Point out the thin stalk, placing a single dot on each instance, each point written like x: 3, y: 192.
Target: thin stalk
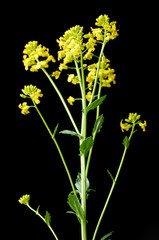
x: 62, y: 100
x: 112, y: 187
x: 83, y: 134
x: 37, y: 213
x: 94, y: 135
x: 58, y: 148
x: 109, y: 195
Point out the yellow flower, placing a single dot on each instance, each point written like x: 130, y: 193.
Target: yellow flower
x: 109, y: 27
x: 56, y: 74
x: 143, y: 125
x: 132, y: 120
x: 73, y: 79
x: 70, y: 45
x: 32, y: 53
x: 88, y: 96
x: 24, y: 108
x: 124, y: 126
x: 24, y: 199
x: 71, y: 100
x: 32, y: 92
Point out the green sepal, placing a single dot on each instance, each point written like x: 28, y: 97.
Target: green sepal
x: 75, y: 205
x: 98, y: 124
x: 126, y: 142
x: 72, y: 133
x: 95, y: 104
x: 86, y: 145
x: 48, y: 218
x: 106, y: 236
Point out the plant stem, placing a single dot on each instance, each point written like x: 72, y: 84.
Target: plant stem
x: 58, y: 148
x: 62, y: 100
x: 94, y: 135
x: 83, y: 134
x: 113, y: 185
x: 109, y: 195
x: 37, y: 213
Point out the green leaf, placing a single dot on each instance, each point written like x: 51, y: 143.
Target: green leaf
x: 37, y: 210
x: 111, y: 176
x: 76, y: 206
x: 78, y: 185
x: 55, y: 130
x: 98, y: 124
x: 95, y: 104
x: 72, y: 133
x: 48, y: 218
x: 106, y: 236
x: 86, y: 145
x: 126, y: 142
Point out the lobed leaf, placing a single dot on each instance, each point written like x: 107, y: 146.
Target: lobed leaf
x: 76, y: 206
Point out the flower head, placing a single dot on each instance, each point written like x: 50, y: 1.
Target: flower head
x: 32, y: 92
x: 70, y: 44
x: 24, y: 199
x: 36, y: 56
x: 132, y: 120
x: 24, y: 108
x: 109, y: 28
x: 71, y: 100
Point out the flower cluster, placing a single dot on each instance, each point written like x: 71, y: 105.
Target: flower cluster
x: 24, y: 199
x: 36, y: 57
x: 106, y: 74
x: 70, y: 45
x: 133, y: 119
x: 31, y: 92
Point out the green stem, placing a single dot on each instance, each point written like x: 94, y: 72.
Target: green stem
x: 83, y: 134
x: 58, y: 148
x: 37, y: 213
x: 109, y: 195
x: 94, y: 135
x: 112, y: 187
x: 62, y: 100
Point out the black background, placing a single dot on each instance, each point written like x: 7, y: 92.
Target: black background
x: 38, y: 171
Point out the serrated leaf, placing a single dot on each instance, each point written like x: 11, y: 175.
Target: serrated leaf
x: 126, y: 142
x: 55, y: 130
x: 95, y: 104
x: 72, y: 133
x: 86, y: 145
x: 98, y: 124
x: 48, y: 218
x: 106, y: 236
x: 76, y: 206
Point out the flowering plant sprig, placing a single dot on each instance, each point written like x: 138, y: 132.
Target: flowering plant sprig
x: 76, y: 49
